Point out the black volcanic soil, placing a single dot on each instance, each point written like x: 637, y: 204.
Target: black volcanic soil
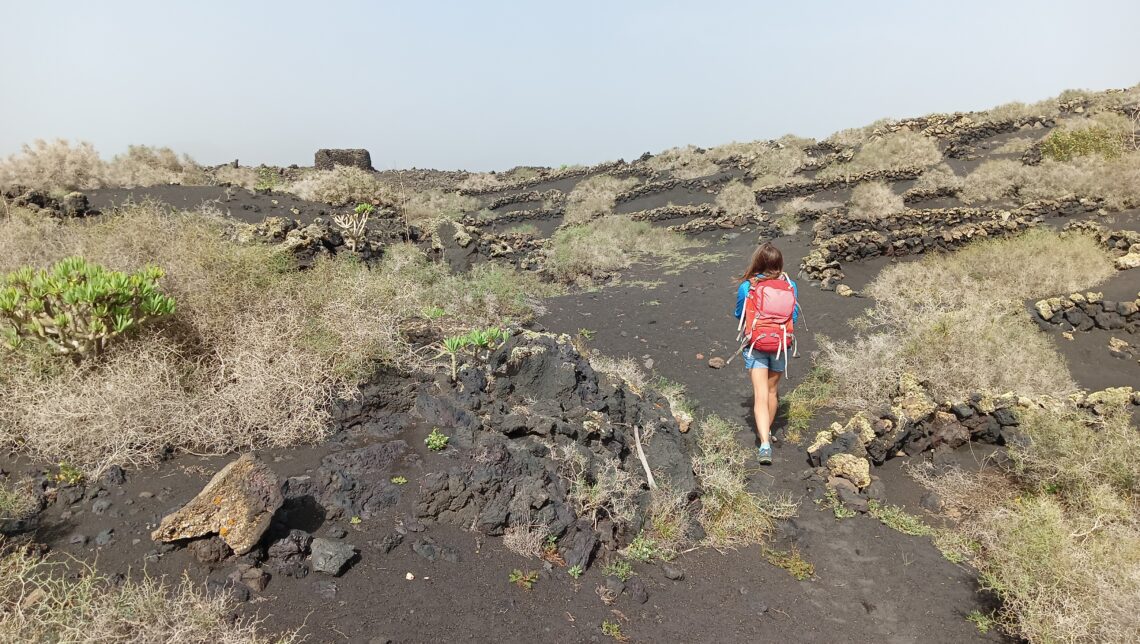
x: 871, y: 583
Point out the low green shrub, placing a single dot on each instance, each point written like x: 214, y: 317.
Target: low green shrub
x: 76, y: 307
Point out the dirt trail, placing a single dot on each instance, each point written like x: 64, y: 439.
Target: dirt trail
x: 871, y: 583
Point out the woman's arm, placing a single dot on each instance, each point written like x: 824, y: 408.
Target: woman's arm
x: 741, y: 295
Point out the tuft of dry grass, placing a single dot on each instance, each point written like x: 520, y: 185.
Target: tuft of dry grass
x: 141, y: 165
x: 1116, y: 180
x: 939, y: 177
x: 41, y: 602
x: 429, y: 208
x: 342, y: 186
x: 730, y: 514
x: 481, y: 181
x: 688, y: 162
x: 53, y: 166
x: 1017, y: 145
x: 874, y: 200
x: 60, y: 167
x: 1058, y: 537
x: 254, y: 354
x: 956, y: 320
x: 526, y: 540
x: 608, y: 245
x: 607, y: 492
x: 737, y: 198
x: 594, y: 197
x: 895, y: 151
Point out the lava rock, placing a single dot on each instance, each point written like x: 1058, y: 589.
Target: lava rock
x: 636, y: 590
x: 291, y: 548
x: 209, y: 550
x: 238, y: 503
x: 331, y: 557
x: 105, y: 537
x: 426, y: 549
x: 672, y: 572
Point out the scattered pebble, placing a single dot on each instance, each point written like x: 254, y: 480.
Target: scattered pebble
x: 673, y: 572
x: 78, y: 539
x: 105, y: 537
x: 336, y: 532
x: 100, y: 506
x: 717, y: 362
x: 409, y: 576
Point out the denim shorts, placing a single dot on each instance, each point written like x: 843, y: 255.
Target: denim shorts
x: 764, y: 360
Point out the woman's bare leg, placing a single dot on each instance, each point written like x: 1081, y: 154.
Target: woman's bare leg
x: 773, y: 402
x: 760, y: 403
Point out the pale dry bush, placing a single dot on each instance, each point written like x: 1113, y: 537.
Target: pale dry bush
x: 939, y: 177
x: 856, y: 136
x: 956, y: 321
x: 341, y: 186
x: 526, y: 540
x: 737, y: 198
x: 53, y: 166
x: 1016, y: 110
x: 1116, y: 181
x: 481, y: 181
x: 609, y: 244
x: 779, y: 161
x: 1058, y: 537
x: 902, y: 150
x: 41, y: 601
x: 594, y: 197
x: 253, y: 355
x: 769, y: 180
x: 624, y: 369
x: 874, y: 200
x: 430, y: 207
x: 668, y: 523
x: 799, y: 205
x: 993, y: 180
x: 607, y: 492
x: 1017, y: 145
x: 731, y: 515
x: 142, y: 166
x: 241, y: 176
x: 688, y: 162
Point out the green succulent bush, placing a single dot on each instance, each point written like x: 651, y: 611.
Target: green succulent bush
x: 76, y: 308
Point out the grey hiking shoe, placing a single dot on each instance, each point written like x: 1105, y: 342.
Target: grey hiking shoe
x: 765, y: 455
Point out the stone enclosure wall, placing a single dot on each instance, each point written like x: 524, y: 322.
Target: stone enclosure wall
x: 327, y: 159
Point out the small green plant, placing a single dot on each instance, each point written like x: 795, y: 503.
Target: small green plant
x: 575, y: 571
x: 18, y: 502
x: 476, y: 338
x: 982, y: 621
x: 898, y: 519
x: 642, y: 548
x: 831, y: 500
x: 436, y: 440
x: 267, y: 179
x: 613, y: 629
x: 1063, y: 145
x: 399, y: 480
x: 801, y: 405
x: 523, y: 579
x: 68, y: 474
x: 355, y: 520
x: 791, y: 561
x: 587, y: 334
x: 451, y: 347
x: 621, y: 569
x: 77, y: 308
x: 434, y: 312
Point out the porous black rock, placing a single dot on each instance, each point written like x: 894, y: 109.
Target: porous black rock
x: 331, y: 557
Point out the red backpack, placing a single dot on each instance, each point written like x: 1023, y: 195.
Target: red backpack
x: 766, y: 322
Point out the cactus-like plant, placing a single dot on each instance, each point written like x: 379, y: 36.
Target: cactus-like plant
x: 76, y: 308
x: 355, y: 224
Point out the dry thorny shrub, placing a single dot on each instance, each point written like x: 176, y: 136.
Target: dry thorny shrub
x: 1116, y: 180
x: 689, y: 162
x: 609, y: 244
x: 902, y: 150
x: 730, y: 513
x: 956, y: 321
x: 737, y: 198
x: 40, y: 601
x: 253, y: 355
x: 342, y: 186
x: 1057, y: 537
x: 594, y: 197
x: 59, y: 166
x: 874, y: 200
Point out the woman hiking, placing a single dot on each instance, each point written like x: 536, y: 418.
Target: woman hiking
x: 766, y: 306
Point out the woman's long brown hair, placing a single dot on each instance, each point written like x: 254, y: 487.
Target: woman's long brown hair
x: 767, y: 261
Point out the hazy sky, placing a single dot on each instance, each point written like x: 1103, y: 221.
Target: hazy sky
x: 486, y: 85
